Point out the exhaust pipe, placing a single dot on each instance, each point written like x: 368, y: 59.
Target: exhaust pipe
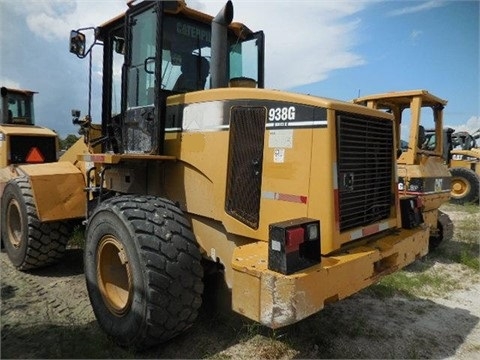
x: 219, y: 46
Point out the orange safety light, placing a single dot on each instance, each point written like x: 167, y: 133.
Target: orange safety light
x: 35, y: 156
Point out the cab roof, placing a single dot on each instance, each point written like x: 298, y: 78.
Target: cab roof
x: 180, y: 7
x: 5, y: 91
x: 402, y: 98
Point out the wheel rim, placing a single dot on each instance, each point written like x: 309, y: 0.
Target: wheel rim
x: 114, y: 275
x: 460, y: 187
x: 14, y: 223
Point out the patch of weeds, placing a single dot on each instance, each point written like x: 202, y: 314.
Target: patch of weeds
x: 219, y: 356
x: 471, y: 208
x: 467, y: 259
x: 250, y: 329
x: 270, y: 348
x: 411, y: 285
x: 399, y: 283
x: 316, y: 334
x: 465, y: 248
x: 77, y: 240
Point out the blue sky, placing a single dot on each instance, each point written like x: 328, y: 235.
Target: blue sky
x: 335, y: 49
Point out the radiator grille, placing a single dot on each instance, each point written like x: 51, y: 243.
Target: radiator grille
x: 244, y: 177
x: 364, y: 170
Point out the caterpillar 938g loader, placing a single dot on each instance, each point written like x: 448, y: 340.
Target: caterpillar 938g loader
x: 293, y: 197
x: 421, y: 169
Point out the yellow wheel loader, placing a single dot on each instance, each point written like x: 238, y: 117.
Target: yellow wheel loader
x: 29, y: 241
x: 462, y: 158
x: 421, y: 170
x: 293, y: 198
x: 464, y: 164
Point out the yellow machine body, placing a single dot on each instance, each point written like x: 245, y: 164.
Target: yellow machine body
x: 299, y: 179
x: 293, y: 198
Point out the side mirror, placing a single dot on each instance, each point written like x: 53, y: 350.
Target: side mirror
x: 77, y: 43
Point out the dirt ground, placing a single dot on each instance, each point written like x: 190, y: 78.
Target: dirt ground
x: 47, y: 314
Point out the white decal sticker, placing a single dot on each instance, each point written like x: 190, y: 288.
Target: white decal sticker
x: 203, y: 116
x: 279, y: 156
x: 276, y: 246
x: 280, y: 138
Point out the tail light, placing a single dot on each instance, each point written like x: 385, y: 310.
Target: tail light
x: 293, y: 245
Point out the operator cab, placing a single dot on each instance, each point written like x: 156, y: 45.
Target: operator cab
x: 16, y: 107
x: 417, y: 112
x: 159, y: 49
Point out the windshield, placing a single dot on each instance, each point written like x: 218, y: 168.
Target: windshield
x: 426, y: 136
x: 186, y: 56
x: 20, y: 109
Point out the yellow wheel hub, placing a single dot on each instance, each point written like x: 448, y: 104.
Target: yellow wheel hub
x: 114, y: 275
x: 14, y: 223
x: 460, y: 187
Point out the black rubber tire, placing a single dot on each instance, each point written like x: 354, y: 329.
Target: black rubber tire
x: 470, y: 183
x: 445, y: 231
x: 159, y: 262
x: 29, y: 243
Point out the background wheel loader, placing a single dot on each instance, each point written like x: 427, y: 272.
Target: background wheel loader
x: 464, y: 163
x: 23, y: 142
x: 29, y: 243
x: 421, y: 169
x: 462, y: 158
x: 292, y: 198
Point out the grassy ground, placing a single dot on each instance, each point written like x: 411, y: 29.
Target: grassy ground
x: 431, y: 309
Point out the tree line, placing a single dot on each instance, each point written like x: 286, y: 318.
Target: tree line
x: 68, y: 141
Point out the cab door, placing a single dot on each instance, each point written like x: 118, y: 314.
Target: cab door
x: 141, y: 121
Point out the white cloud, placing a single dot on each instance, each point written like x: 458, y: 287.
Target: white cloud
x: 9, y: 83
x: 471, y: 125
x: 422, y: 6
x: 53, y: 19
x: 415, y: 34
x: 305, y: 40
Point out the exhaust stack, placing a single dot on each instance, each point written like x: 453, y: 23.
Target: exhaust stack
x: 219, y: 46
